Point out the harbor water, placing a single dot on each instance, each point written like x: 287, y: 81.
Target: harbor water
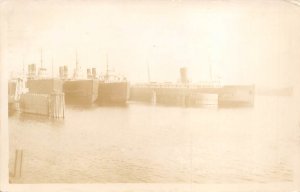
x: 141, y: 143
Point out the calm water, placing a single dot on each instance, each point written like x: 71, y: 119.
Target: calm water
x: 142, y: 143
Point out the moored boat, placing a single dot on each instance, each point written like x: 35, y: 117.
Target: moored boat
x: 80, y: 92
x: 113, y: 92
x: 112, y: 89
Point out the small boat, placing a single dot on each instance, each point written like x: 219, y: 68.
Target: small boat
x: 16, y: 87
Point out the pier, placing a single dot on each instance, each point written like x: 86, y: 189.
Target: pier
x: 51, y: 105
x: 37, y: 96
x: 45, y: 97
x: 17, y: 173
x: 48, y: 96
x: 189, y: 95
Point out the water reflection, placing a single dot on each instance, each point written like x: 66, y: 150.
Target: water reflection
x: 158, y: 144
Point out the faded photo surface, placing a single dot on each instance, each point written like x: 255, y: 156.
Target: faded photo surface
x: 152, y: 92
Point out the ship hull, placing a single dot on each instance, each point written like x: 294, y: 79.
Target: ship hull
x: 176, y: 96
x: 195, y: 96
x: 113, y: 93
x: 45, y: 86
x: 80, y: 92
x: 236, y: 96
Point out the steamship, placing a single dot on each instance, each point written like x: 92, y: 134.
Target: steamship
x: 184, y: 93
x: 78, y: 90
x: 105, y: 89
x: 112, y: 89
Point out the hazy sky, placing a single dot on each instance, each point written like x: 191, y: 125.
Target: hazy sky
x: 243, y: 41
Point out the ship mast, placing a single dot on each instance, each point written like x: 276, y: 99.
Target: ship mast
x: 23, y: 75
x: 52, y: 67
x: 76, y: 61
x: 210, y: 71
x: 41, y: 70
x: 106, y: 75
x: 41, y: 58
x: 148, y: 70
x: 76, y: 71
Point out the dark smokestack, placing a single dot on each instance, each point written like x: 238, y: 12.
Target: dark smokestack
x: 88, y: 73
x: 61, y: 72
x: 183, y: 75
x: 65, y: 71
x: 94, y: 72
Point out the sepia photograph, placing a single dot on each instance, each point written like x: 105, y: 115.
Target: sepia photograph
x: 167, y: 95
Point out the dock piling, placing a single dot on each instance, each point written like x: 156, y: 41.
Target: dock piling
x: 18, y: 163
x: 51, y: 105
x: 57, y: 105
x: 153, y: 98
